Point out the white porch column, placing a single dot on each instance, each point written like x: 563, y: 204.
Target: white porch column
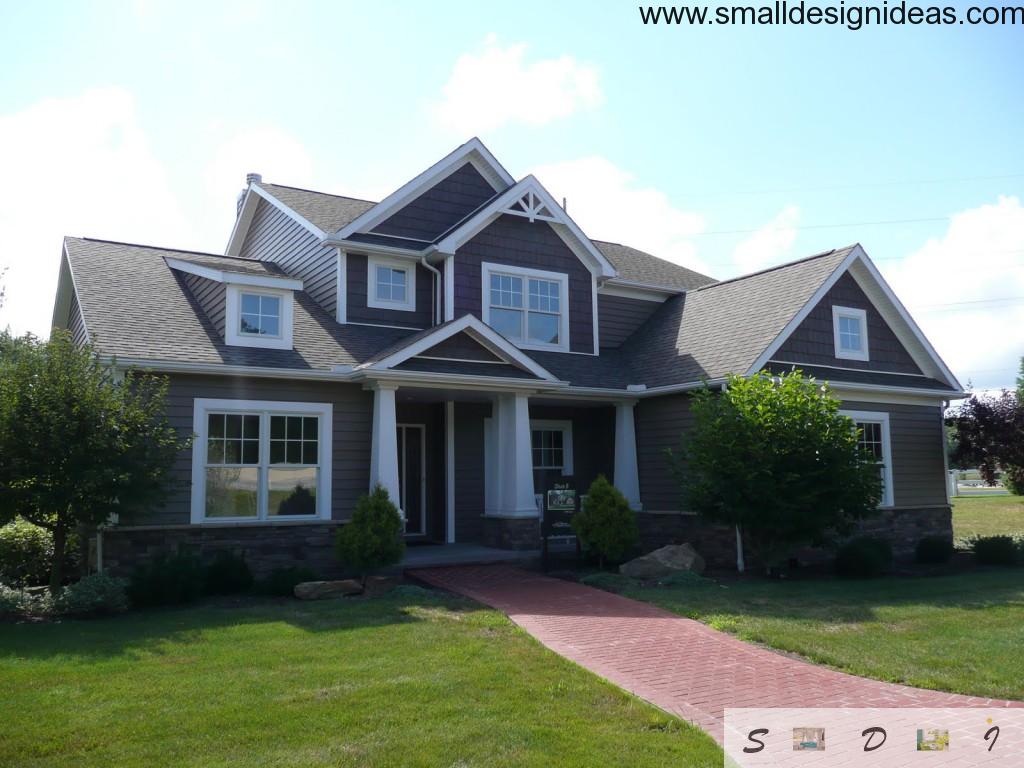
x: 627, y: 477
x: 384, y: 447
x: 515, y: 458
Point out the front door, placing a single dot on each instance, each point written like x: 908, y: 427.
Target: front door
x: 412, y: 477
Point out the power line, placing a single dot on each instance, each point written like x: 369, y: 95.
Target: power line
x: 860, y: 185
x: 975, y: 301
x: 824, y: 226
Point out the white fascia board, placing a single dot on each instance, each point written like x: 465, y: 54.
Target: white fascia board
x: 481, y: 332
x: 637, y: 291
x: 472, y: 151
x: 847, y: 387
x: 234, y: 278
x: 917, y: 337
x: 425, y: 379
x: 219, y: 369
x: 599, y: 265
x: 800, y: 316
x: 253, y: 195
x: 355, y: 246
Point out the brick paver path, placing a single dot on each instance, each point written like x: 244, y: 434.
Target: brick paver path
x: 680, y: 665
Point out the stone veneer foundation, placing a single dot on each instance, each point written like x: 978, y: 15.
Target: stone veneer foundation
x: 516, y: 533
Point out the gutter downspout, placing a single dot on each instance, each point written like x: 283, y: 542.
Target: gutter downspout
x: 437, y: 291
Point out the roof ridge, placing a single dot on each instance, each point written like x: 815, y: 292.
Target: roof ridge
x: 316, y: 192
x: 793, y: 263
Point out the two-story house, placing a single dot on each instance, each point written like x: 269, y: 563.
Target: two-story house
x: 466, y: 345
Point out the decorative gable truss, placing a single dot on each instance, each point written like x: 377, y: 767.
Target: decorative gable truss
x: 532, y: 207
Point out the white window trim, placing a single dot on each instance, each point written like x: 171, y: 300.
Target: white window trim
x: 488, y: 268
x: 233, y: 318
x: 202, y: 407
x: 861, y: 316
x: 556, y: 425
x: 409, y: 267
x: 880, y: 417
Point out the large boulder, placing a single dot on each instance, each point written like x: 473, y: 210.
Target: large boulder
x: 325, y: 590
x: 664, y: 562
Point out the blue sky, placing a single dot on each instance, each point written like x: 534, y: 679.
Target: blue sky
x: 138, y: 121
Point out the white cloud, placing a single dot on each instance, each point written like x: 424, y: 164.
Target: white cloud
x: 979, y: 259
x: 494, y: 85
x: 76, y: 166
x: 768, y: 245
x: 608, y: 204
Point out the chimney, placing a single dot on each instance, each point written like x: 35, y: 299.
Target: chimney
x: 249, y: 179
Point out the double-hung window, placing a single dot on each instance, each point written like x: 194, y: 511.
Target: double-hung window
x: 392, y: 284
x: 873, y: 438
x: 850, y: 333
x: 551, y: 444
x: 260, y: 460
x: 528, y: 307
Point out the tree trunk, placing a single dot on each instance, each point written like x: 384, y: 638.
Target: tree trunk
x: 740, y: 564
x: 60, y: 542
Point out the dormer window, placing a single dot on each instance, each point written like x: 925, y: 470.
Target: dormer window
x: 258, y: 316
x: 391, y: 284
x: 528, y: 307
x: 261, y: 315
x: 850, y: 331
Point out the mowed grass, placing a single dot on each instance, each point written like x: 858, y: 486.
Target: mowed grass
x: 962, y: 633
x: 988, y: 516
x: 407, y: 680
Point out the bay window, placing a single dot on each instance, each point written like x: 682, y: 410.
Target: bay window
x: 260, y: 460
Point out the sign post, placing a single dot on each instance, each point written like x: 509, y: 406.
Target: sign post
x: 559, y: 507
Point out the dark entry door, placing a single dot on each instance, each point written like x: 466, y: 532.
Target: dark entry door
x: 412, y: 476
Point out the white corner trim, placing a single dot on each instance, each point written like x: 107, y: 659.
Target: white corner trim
x: 483, y: 334
x: 861, y: 316
x: 233, y: 335
x: 594, y: 319
x: 589, y: 254
x: 238, y: 278
x: 557, y: 425
x: 203, y: 406
x: 449, y: 288
x: 472, y: 151
x: 488, y: 268
x: 341, y: 286
x: 880, y: 417
x: 408, y: 267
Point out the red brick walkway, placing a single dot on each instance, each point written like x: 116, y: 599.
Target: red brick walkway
x: 678, y: 664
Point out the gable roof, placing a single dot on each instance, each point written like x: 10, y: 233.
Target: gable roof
x: 327, y: 212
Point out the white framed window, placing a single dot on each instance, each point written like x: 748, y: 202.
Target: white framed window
x: 258, y: 317
x: 391, y: 284
x: 551, y: 445
x: 260, y: 461
x: 529, y: 307
x: 873, y: 436
x: 850, y: 332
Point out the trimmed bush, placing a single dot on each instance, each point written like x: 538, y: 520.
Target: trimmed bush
x: 373, y: 539
x: 26, y: 551
x: 995, y: 550
x: 95, y: 595
x: 167, y: 580
x: 228, y: 574
x: 1013, y: 480
x: 606, y: 525
x: 865, y: 557
x: 933, y: 550
x: 281, y: 581
x: 23, y: 602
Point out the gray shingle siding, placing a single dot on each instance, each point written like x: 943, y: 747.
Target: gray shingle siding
x: 593, y: 450
x: 440, y: 207
x: 660, y: 423
x: 813, y: 342
x: 357, y: 310
x: 353, y: 410
x: 517, y: 242
x: 618, y: 317
x: 211, y: 296
x: 276, y: 237
x: 469, y: 470
x: 460, y: 347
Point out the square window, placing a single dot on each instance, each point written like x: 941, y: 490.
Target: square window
x: 260, y: 315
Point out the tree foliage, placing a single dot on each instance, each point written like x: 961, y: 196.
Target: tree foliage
x: 773, y: 456
x: 606, y: 525
x: 989, y: 435
x: 76, y: 445
x: 373, y: 538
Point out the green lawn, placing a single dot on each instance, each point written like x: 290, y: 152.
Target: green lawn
x: 988, y: 516
x: 962, y: 633
x: 406, y: 680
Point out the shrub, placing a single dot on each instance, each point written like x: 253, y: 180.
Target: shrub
x: 228, y: 574
x: 932, y: 550
x: 995, y: 550
x: 26, y: 551
x: 22, y: 602
x: 1013, y: 480
x: 94, y: 595
x: 281, y: 581
x: 606, y: 525
x: 864, y: 558
x: 167, y: 581
x: 373, y: 539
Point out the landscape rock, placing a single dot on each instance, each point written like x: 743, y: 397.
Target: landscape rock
x: 325, y: 590
x: 663, y: 562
